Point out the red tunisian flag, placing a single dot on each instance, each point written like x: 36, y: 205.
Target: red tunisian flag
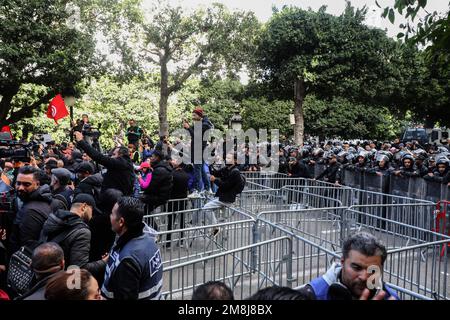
x: 57, y: 109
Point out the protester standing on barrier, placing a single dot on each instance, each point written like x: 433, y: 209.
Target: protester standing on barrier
x: 230, y: 183
x: 134, y: 270
x: 200, y: 119
x: 358, y: 275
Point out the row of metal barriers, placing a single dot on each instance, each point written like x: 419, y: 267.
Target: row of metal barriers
x: 289, y: 235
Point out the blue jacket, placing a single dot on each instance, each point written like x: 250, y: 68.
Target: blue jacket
x: 322, y: 284
x: 144, y: 258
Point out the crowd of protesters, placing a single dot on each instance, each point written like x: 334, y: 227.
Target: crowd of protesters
x: 73, y: 205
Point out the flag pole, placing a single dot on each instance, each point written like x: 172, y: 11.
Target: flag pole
x: 71, y: 122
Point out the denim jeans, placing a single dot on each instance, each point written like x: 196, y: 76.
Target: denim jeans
x: 199, y: 176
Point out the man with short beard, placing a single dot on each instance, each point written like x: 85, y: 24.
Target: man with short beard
x: 72, y: 227
x: 348, y: 280
x: 30, y: 217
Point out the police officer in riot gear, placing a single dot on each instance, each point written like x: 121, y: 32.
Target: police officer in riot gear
x: 383, y: 167
x: 407, y: 169
x: 332, y: 173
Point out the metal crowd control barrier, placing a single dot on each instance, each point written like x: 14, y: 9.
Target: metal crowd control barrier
x: 287, y: 198
x: 413, y: 266
x: 321, y: 226
x: 181, y: 245
x: 394, y: 234
x: 245, y: 270
x: 420, y: 269
x: 290, y: 235
x: 411, y: 187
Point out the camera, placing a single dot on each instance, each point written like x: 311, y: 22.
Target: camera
x: 90, y: 131
x: 18, y: 151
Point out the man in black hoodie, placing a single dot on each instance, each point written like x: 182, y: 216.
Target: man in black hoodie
x: 74, y: 235
x: 120, y: 174
x: 30, y: 217
x: 60, y: 184
x: 89, y: 182
x: 158, y: 192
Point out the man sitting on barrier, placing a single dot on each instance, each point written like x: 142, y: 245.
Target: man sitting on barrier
x: 358, y: 276
x: 230, y: 184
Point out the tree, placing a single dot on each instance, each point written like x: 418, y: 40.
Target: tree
x: 52, y: 45
x: 220, y: 99
x: 431, y: 85
x: 433, y: 30
x: 304, y: 52
x: 182, y: 45
x: 110, y: 104
x: 37, y: 46
x: 260, y: 113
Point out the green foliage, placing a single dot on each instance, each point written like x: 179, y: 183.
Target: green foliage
x: 52, y: 44
x: 341, y: 118
x: 263, y: 114
x: 335, y: 56
x: 220, y: 99
x: 111, y: 105
x: 433, y: 29
x: 182, y: 44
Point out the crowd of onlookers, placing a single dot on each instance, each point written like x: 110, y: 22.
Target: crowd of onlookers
x: 70, y: 205
x: 77, y: 213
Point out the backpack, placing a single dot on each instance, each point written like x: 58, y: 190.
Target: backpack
x: 20, y: 275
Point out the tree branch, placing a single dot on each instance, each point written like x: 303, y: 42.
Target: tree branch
x: 28, y: 110
x: 5, y: 103
x: 181, y: 79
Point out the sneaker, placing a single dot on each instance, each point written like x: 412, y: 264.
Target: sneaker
x: 194, y: 195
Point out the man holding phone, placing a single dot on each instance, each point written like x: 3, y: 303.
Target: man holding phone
x: 362, y: 261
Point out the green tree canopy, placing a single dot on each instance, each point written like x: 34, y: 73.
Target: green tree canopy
x: 304, y: 52
x: 181, y: 45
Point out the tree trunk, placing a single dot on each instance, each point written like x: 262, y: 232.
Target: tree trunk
x: 163, y: 99
x: 299, y: 97
x: 5, y: 102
